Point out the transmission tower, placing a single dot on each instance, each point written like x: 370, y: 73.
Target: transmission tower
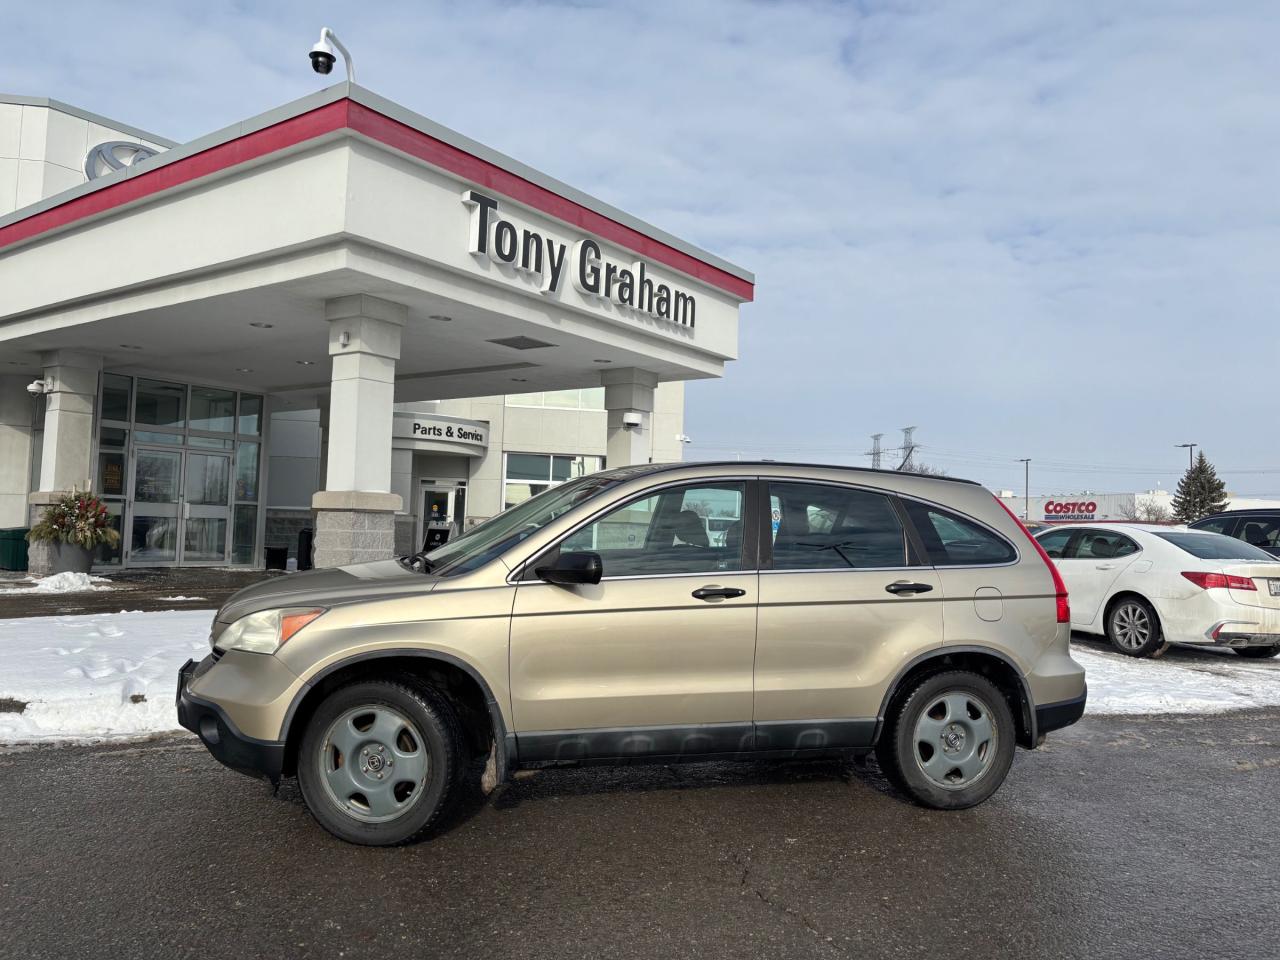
x: 908, y: 448
x: 875, y: 450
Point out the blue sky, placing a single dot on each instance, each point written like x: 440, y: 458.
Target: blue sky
x: 1042, y: 229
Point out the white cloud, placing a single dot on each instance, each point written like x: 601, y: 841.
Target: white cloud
x: 1040, y: 229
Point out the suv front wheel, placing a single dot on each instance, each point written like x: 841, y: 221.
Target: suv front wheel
x: 378, y: 761
x: 949, y: 743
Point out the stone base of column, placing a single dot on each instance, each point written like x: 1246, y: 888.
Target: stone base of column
x: 40, y: 554
x: 406, y: 531
x: 354, y: 526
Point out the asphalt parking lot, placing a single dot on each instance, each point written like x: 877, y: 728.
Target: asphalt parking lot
x: 1124, y: 837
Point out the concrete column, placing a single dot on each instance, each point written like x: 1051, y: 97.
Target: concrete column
x: 355, y: 512
x: 628, y: 401
x: 16, y: 409
x: 66, y: 457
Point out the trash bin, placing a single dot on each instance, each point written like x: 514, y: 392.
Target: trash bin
x: 305, y: 536
x: 276, y: 557
x: 13, y: 548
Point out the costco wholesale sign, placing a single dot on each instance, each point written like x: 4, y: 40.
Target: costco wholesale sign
x: 627, y: 285
x: 1071, y: 510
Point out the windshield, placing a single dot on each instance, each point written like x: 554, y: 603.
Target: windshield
x: 495, y: 536
x: 1214, y: 546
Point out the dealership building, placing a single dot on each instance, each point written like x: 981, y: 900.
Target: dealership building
x: 336, y: 314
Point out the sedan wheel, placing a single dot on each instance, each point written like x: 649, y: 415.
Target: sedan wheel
x: 1133, y: 628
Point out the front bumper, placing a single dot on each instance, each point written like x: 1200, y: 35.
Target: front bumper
x: 1055, y: 716
x: 230, y: 747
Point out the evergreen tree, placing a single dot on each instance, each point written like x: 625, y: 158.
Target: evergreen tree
x: 1200, y: 492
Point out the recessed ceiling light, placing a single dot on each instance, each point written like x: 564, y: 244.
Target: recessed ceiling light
x: 602, y: 361
x: 244, y: 369
x: 262, y: 326
x: 441, y: 317
x: 129, y: 346
x: 305, y: 363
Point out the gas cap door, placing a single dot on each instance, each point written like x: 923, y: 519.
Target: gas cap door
x: 988, y: 603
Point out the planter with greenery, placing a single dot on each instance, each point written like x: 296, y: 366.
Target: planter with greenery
x: 71, y: 530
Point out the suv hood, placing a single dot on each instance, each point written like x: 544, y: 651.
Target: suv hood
x: 324, y: 588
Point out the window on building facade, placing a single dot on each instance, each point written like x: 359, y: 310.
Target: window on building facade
x: 528, y: 474
x: 586, y: 398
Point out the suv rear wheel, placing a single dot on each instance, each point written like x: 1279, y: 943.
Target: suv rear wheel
x: 949, y: 743
x: 378, y: 761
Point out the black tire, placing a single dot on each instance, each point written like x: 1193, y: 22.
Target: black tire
x: 430, y: 726
x: 1258, y: 653
x: 1133, y: 627
x: 903, y: 756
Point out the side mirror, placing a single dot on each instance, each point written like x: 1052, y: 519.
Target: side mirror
x: 570, y: 568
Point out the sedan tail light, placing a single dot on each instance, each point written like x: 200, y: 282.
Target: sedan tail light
x: 1226, y: 581
x: 1059, y: 588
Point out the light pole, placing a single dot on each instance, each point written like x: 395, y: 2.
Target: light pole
x: 1026, y: 488
x: 1191, y: 452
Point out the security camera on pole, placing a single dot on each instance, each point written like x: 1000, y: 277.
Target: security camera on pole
x: 323, y: 59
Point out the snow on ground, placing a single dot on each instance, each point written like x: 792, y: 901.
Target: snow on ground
x: 60, y: 583
x: 96, y: 675
x: 1184, y: 680
x: 113, y: 675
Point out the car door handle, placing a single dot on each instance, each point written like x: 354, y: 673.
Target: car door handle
x: 905, y: 587
x: 1105, y: 566
x: 718, y: 593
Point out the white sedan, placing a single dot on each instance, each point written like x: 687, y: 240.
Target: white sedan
x: 1146, y: 586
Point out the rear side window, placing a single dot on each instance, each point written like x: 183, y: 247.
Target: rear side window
x: 1215, y: 525
x: 817, y: 527
x: 952, y: 540
x: 1104, y: 545
x: 1214, y: 546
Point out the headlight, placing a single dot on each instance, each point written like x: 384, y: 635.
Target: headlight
x: 267, y: 630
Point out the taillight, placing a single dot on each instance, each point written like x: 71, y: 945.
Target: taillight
x: 1059, y: 588
x: 1225, y: 581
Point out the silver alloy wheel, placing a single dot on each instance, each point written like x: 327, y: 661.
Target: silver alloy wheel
x: 955, y: 739
x: 374, y: 763
x: 1131, y: 625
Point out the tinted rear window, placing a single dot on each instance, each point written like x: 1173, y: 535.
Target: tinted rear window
x: 953, y: 540
x: 1214, y: 546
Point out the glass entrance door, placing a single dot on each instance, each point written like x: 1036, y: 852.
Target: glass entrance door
x: 181, y: 507
x: 155, y: 510
x: 206, y: 508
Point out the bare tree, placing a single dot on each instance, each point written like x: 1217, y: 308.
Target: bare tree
x: 1146, y: 512
x: 926, y: 470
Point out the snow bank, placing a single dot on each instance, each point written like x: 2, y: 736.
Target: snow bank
x: 61, y: 583
x: 1184, y: 680
x: 96, y: 675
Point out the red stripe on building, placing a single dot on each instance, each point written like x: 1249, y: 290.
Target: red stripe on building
x: 347, y: 114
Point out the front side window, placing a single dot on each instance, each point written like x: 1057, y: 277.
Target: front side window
x: 690, y: 529
x: 1260, y: 532
x: 820, y: 527
x: 956, y: 541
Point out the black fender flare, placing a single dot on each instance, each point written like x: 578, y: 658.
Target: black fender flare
x: 938, y: 653
x: 503, y: 739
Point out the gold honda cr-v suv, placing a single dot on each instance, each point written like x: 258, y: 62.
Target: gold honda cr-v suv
x: 661, y: 612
